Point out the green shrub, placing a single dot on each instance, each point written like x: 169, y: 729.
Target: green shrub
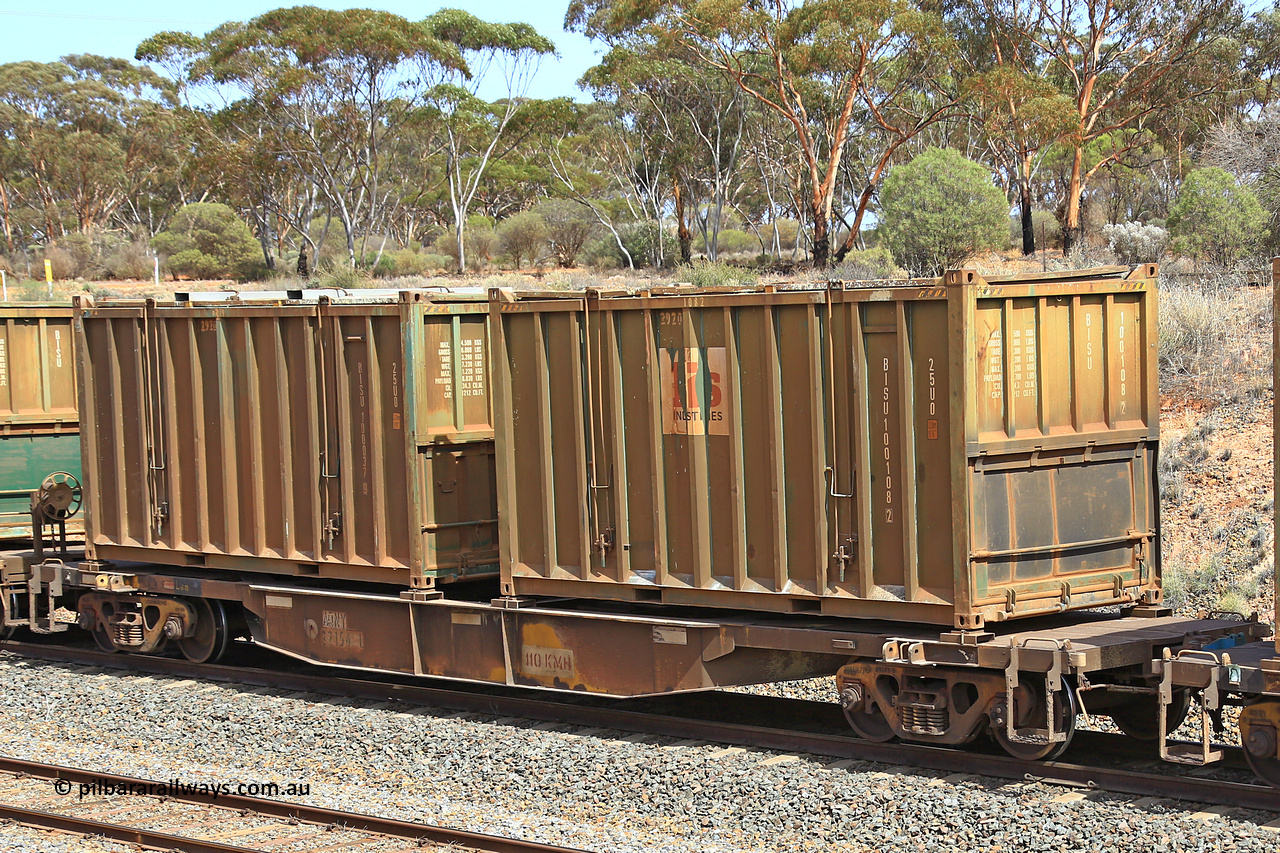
x: 481, y: 243
x: 208, y: 241
x: 1217, y: 218
x: 62, y: 262
x: 341, y: 277
x: 641, y: 239
x: 703, y: 273
x: 732, y: 241
x: 522, y: 238
x: 867, y: 265
x: 131, y: 260
x: 939, y: 210
x: 569, y: 226
x: 446, y: 245
x: 433, y: 262
x: 788, y: 233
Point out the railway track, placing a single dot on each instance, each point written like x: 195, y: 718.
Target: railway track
x: 1101, y: 761
x: 109, y: 806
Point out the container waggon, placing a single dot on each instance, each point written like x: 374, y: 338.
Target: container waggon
x: 924, y: 489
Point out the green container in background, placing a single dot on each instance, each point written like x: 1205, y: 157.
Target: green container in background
x: 39, y: 423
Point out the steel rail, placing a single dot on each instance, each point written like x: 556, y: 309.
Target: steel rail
x: 352, y: 821
x: 1181, y: 787
x: 116, y: 832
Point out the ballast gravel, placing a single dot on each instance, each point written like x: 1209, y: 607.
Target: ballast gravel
x: 23, y: 839
x: 594, y: 790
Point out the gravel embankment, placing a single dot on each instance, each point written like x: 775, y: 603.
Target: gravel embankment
x: 598, y: 791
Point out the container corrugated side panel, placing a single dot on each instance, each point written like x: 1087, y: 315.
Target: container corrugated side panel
x: 803, y: 451
x: 267, y: 438
x: 704, y: 475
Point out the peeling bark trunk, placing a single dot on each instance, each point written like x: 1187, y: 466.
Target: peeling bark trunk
x: 821, y: 235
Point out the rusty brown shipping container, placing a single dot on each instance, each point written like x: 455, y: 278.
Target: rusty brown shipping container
x: 39, y: 425
x: 951, y: 452
x: 339, y: 437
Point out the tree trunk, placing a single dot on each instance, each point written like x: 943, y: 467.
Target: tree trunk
x: 462, y: 247
x: 682, y: 227
x: 8, y: 228
x: 821, y: 236
x: 1071, y: 227
x: 1028, y: 227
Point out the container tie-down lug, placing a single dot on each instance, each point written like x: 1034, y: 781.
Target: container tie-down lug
x: 1195, y: 668
x: 51, y: 592
x: 1052, y: 685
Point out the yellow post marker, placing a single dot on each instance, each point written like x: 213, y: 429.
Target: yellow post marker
x: 48, y: 274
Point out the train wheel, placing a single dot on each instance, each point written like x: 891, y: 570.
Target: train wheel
x: 867, y: 721
x: 1064, y: 708
x: 1258, y: 736
x: 6, y: 631
x: 1138, y: 718
x: 103, y: 640
x: 212, y: 634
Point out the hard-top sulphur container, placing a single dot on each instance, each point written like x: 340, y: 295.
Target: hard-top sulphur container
x: 292, y: 433
x: 39, y: 424
x: 950, y: 451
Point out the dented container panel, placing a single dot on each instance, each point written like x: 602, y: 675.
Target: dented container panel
x: 302, y: 437
x: 871, y: 451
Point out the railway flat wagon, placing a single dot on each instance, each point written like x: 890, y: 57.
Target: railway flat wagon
x: 918, y: 488
x: 291, y: 433
x: 956, y: 452
x: 39, y: 423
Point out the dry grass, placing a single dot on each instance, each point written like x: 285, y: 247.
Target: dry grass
x: 1213, y: 346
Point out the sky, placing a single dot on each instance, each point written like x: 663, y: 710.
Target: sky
x: 47, y: 32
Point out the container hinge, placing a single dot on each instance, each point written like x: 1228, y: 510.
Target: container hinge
x: 843, y: 556
x: 333, y: 527
x: 605, y: 541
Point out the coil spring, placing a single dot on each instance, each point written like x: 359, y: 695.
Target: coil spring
x: 128, y: 635
x: 924, y: 720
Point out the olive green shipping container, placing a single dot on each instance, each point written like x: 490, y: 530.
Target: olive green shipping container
x: 39, y: 426
x: 343, y: 437
x: 951, y: 452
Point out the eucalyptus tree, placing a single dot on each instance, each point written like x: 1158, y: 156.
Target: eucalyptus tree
x: 473, y: 128
x: 813, y: 63
x: 1018, y: 113
x: 1125, y: 63
x: 78, y: 138
x: 610, y: 168
x: 699, y: 118
x: 324, y: 90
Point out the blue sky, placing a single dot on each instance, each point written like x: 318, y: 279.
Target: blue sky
x: 46, y: 32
